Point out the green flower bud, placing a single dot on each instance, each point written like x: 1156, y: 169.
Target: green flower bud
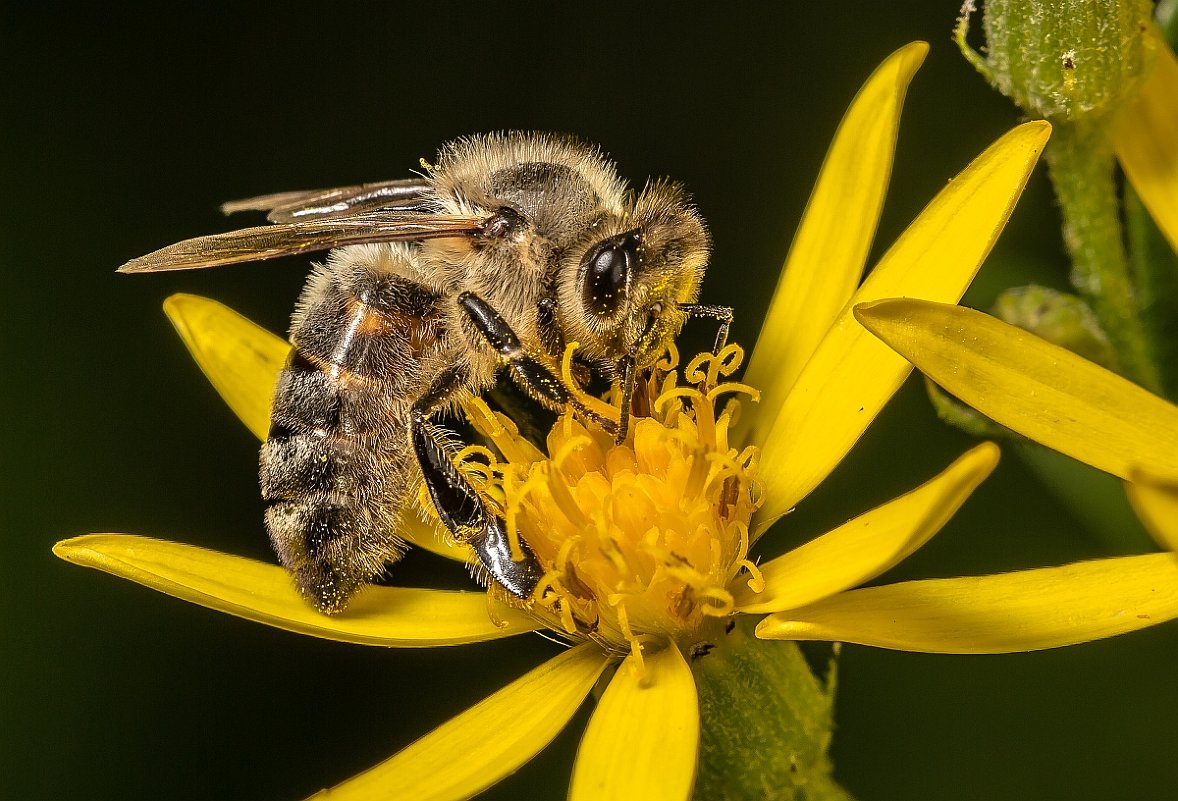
x: 1058, y: 317
x: 1061, y: 319
x: 1063, y: 60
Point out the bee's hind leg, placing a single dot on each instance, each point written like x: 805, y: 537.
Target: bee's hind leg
x: 458, y: 504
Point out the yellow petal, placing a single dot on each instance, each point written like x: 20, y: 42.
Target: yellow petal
x: 865, y: 547
x: 487, y: 742
x: 1145, y: 137
x: 1155, y: 499
x: 851, y: 376
x: 643, y: 739
x: 393, y: 616
x: 1042, y: 391
x: 829, y: 251
x: 240, y: 358
x: 1024, y: 611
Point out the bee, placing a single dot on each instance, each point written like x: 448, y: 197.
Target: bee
x: 488, y: 263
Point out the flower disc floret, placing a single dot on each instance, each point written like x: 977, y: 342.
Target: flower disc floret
x: 642, y: 539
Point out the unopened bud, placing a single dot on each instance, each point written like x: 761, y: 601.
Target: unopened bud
x: 1063, y: 60
x: 1058, y: 317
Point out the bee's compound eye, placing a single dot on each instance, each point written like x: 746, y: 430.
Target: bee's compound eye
x: 609, y: 266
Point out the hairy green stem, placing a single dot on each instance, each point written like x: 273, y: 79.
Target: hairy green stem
x: 767, y: 723
x: 1082, y: 168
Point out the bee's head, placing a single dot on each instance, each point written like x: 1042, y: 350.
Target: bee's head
x: 621, y: 287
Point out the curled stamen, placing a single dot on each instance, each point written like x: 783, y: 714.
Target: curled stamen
x: 480, y: 474
x: 730, y: 358
x: 694, y: 373
x: 566, y: 363
x: 742, y: 548
x: 592, y: 405
x: 756, y: 581
x: 733, y: 388
x: 673, y: 394
x: 641, y: 541
x: 669, y: 360
x: 470, y: 451
x: 721, y: 602
x: 724, y: 363
x: 750, y: 458
x: 550, y: 594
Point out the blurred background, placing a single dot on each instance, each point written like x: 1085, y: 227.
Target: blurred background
x: 122, y: 133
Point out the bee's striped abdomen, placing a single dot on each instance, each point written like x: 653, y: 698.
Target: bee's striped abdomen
x: 335, y: 469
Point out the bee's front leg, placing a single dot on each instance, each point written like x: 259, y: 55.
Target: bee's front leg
x: 458, y: 504
x: 723, y: 314
x: 627, y: 367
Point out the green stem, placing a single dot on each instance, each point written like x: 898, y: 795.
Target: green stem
x: 1082, y: 168
x: 766, y: 723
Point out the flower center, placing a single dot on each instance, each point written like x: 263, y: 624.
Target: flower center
x: 640, y: 539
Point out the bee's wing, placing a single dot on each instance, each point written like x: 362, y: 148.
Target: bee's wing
x: 406, y: 194
x: 284, y: 239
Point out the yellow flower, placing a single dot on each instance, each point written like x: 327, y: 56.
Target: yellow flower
x: 1047, y: 394
x: 646, y: 543
x: 1145, y: 138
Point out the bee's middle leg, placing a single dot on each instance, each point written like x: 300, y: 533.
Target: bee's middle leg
x: 533, y: 376
x: 458, y: 504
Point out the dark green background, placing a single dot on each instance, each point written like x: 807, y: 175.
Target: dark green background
x: 122, y: 133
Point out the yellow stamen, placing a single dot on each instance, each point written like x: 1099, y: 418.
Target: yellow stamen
x: 502, y: 432
x: 724, y: 602
x: 669, y: 360
x: 566, y: 363
x: 513, y: 538
x: 564, y: 499
x: 643, y: 540
x: 475, y: 450
x: 627, y: 632
x: 733, y: 388
x: 756, y: 581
